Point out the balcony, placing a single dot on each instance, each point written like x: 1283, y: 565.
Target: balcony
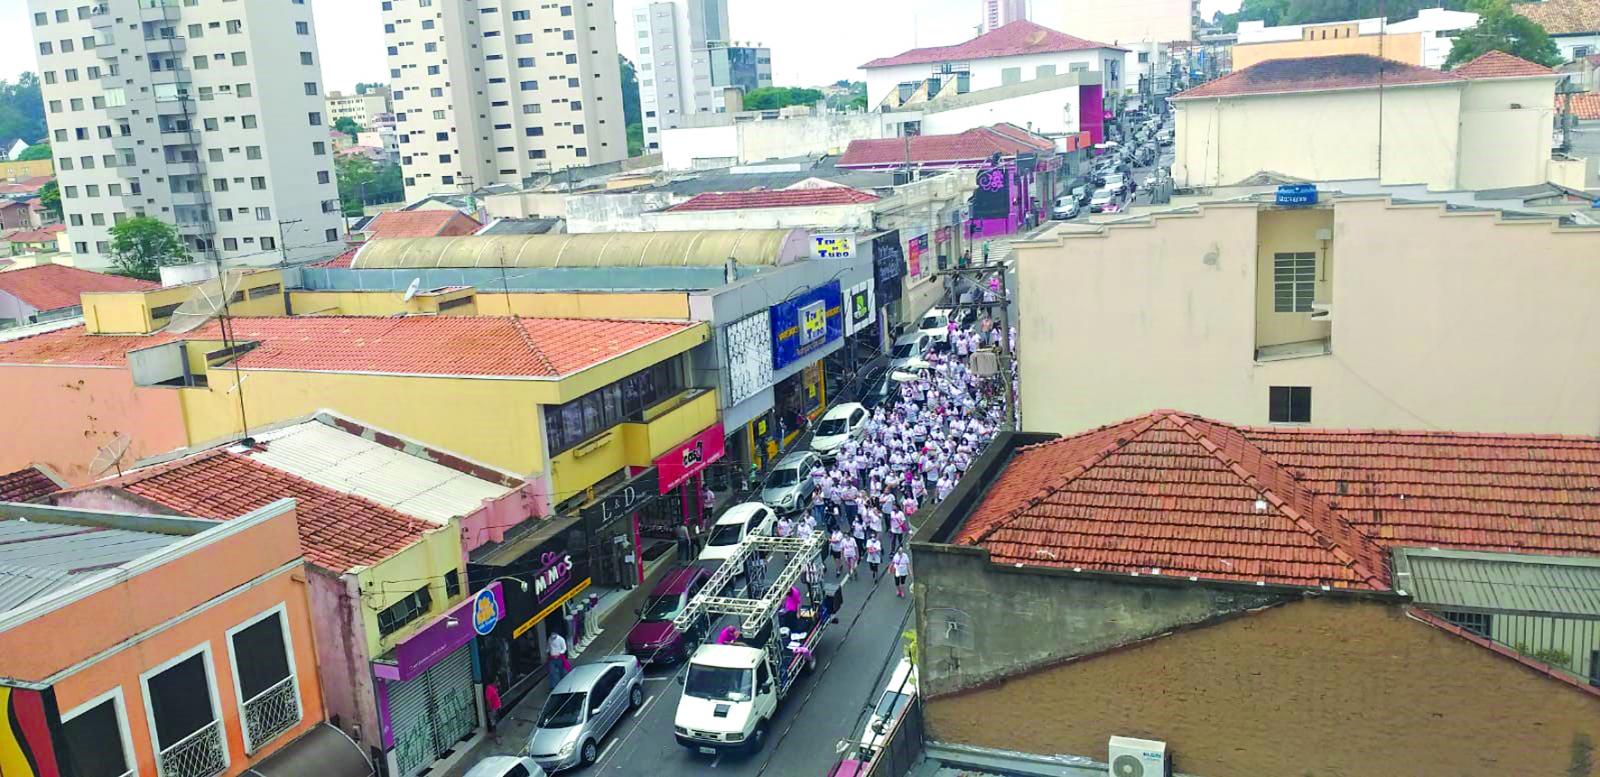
x: 197, y: 228
x: 181, y: 167
x: 201, y: 754
x: 270, y: 713
x: 160, y: 10
x: 163, y: 44
x: 190, y: 198
x: 180, y: 137
x: 100, y: 16
x: 669, y: 423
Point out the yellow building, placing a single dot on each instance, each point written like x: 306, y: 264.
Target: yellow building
x: 1484, y: 125
x: 1335, y: 38
x: 1358, y: 311
x: 33, y: 168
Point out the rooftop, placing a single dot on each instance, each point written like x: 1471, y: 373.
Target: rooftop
x: 1314, y: 74
x: 55, y: 286
x: 1586, y: 106
x: 27, y: 185
x: 783, y: 198
x: 422, y: 223
x: 339, y: 532
x: 974, y: 145
x: 1014, y: 39
x: 1498, y: 64
x: 40, y: 556
x: 1175, y: 494
x: 26, y: 485
x: 45, y: 234
x: 415, y: 345
x: 1563, y: 17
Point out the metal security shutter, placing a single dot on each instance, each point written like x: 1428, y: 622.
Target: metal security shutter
x: 432, y: 712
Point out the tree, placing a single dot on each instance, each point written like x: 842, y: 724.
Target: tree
x: 35, y: 151
x: 50, y: 199
x: 1501, y: 29
x: 1278, y: 12
x: 362, y: 183
x: 140, y: 247
x: 631, y: 112
x: 368, y: 86
x: 22, y: 109
x: 348, y: 126
x: 772, y: 97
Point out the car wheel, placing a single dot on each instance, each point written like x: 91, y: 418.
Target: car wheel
x: 589, y: 753
x: 636, y: 698
x: 758, y: 739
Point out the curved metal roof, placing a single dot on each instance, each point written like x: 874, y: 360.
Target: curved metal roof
x: 704, y: 248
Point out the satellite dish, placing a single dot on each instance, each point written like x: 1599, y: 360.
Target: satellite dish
x: 109, y: 456
x: 209, y: 299
x: 411, y: 291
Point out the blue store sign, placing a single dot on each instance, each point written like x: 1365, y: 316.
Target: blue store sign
x: 806, y: 323
x: 1295, y: 194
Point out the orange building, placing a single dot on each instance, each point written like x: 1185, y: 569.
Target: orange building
x: 136, y: 644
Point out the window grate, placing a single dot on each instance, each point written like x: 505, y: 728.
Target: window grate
x: 1294, y: 282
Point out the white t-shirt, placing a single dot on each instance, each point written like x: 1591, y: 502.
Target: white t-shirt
x: 900, y: 564
x: 558, y: 646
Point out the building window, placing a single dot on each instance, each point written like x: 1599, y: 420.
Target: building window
x: 1289, y: 405
x: 394, y: 617
x: 626, y: 400
x: 1294, y: 282
x: 263, y: 677
x: 1476, y: 622
x: 185, y: 723
x: 452, y: 579
x: 1010, y: 75
x: 95, y: 736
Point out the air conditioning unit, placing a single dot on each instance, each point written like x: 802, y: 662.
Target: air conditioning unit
x: 1129, y: 757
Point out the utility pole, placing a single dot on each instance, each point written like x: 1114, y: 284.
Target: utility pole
x: 283, y: 247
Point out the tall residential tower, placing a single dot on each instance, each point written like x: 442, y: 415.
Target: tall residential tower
x: 493, y: 91
x: 205, y: 115
x: 999, y: 13
x: 687, y: 63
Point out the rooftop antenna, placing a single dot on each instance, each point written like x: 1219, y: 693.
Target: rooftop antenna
x: 411, y: 291
x: 109, y: 456
x: 211, y: 300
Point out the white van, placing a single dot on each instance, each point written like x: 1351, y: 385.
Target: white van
x: 897, y: 696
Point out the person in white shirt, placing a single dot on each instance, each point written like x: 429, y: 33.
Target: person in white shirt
x: 836, y: 550
x: 874, y: 555
x: 557, y: 658
x: 900, y: 565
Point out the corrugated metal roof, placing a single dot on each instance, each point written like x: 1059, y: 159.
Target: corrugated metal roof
x: 37, y: 558
x: 1500, y: 582
x: 350, y: 464
x: 704, y: 248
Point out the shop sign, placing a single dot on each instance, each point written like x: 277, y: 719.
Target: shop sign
x: 992, y: 199
x: 915, y: 248
x: 690, y: 458
x: 749, y: 345
x: 486, y: 612
x: 623, y: 500
x: 805, y: 323
x: 455, y: 628
x: 861, y: 307
x: 887, y: 259
x: 942, y: 236
x: 833, y: 245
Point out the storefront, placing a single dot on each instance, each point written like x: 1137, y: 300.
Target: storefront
x: 1013, y: 195
x: 427, y: 692
x: 862, y: 335
x: 556, y: 574
x: 682, y: 472
x: 802, y: 326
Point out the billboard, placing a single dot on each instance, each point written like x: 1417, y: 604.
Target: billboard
x: 805, y: 323
x: 992, y: 198
x: 833, y: 245
x: 861, y: 307
x: 749, y: 344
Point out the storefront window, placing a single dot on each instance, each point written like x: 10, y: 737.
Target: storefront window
x: 624, y: 401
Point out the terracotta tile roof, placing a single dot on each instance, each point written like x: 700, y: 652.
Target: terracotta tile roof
x: 340, y: 262
x: 1586, y: 106
x: 974, y: 145
x: 1014, y: 39
x: 1179, y: 493
x: 337, y: 531
x: 1563, y: 17
x: 1498, y: 64
x: 27, y: 185
x: 1315, y: 74
x: 416, y: 345
x: 422, y: 223
x: 54, y: 286
x: 26, y: 485
x: 781, y: 198
x: 40, y: 235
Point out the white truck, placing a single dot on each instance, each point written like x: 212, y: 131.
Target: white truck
x: 731, y: 691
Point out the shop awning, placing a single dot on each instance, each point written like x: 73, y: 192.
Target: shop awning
x: 323, y: 751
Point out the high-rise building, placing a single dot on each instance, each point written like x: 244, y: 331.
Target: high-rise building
x: 493, y: 92
x: 687, y: 63
x: 999, y: 13
x: 363, y: 109
x: 208, y: 116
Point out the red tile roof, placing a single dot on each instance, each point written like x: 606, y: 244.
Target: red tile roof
x: 41, y: 235
x: 337, y: 531
x: 416, y: 345
x: 974, y: 145
x: 781, y: 198
x: 1014, y: 39
x: 340, y: 262
x: 1562, y: 17
x: 27, y: 185
x: 54, y: 286
x: 423, y: 223
x: 1179, y: 493
x: 1315, y: 74
x: 26, y: 485
x: 1586, y: 106
x: 1498, y: 64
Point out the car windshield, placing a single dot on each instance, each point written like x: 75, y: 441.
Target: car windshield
x: 663, y: 608
x: 905, y: 350
x: 563, y: 710
x: 725, y: 534
x: 787, y: 476
x: 931, y: 322
x: 831, y: 426
x: 718, y: 683
x: 890, y: 705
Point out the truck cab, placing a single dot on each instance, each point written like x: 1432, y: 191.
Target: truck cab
x: 729, y: 696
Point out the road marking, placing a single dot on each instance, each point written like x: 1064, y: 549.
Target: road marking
x: 715, y: 759
x: 661, y: 679
x: 607, y: 750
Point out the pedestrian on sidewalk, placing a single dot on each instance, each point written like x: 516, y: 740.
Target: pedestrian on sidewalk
x: 685, y: 542
x: 900, y: 565
x: 836, y: 550
x: 851, y: 553
x: 559, y: 663
x: 874, y: 555
x: 491, y: 702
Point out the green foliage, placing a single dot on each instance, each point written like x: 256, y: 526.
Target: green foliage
x: 635, y: 139
x: 1550, y: 656
x: 771, y: 97
x: 855, y: 99
x: 50, y: 199
x: 909, y: 638
x: 631, y: 113
x: 1501, y: 29
x: 35, y: 152
x: 140, y: 247
x: 1276, y: 12
x: 364, y: 87
x: 22, y: 109
x: 348, y: 126
x: 363, y: 182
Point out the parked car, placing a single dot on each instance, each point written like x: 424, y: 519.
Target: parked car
x: 505, y: 766
x: 582, y: 709
x: 789, y: 487
x: 736, y: 523
x: 1112, y: 207
x: 897, y: 696
x: 1066, y: 208
x: 653, y: 639
x: 847, y: 421
x: 908, y: 347
x: 1116, y: 183
x: 1101, y: 199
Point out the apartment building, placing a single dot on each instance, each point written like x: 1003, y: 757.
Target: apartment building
x: 488, y: 93
x: 363, y: 109
x: 999, y: 13
x: 686, y: 63
x: 158, y: 108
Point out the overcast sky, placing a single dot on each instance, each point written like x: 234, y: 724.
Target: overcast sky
x: 813, y: 41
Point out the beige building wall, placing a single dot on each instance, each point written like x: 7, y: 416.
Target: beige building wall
x: 1449, y: 321
x: 1337, y: 39
x: 1506, y: 129
x: 1119, y: 22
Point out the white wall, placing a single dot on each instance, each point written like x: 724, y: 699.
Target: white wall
x: 844, y: 218
x: 1052, y: 113
x: 757, y: 141
x: 1570, y: 43
x: 989, y: 73
x: 681, y: 146
x: 1119, y: 21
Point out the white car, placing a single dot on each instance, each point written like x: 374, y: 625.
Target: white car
x: 1101, y: 199
x: 936, y: 324
x: 908, y: 348
x: 1116, y: 183
x: 505, y: 766
x: 897, y: 696
x: 738, y: 522
x: 844, y: 422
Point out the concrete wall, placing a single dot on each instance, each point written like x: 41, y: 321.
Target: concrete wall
x: 1405, y: 48
x: 757, y: 141
x: 979, y: 622
x: 1430, y: 329
x: 615, y: 211
x: 1506, y: 131
x: 1291, y: 231
x: 14, y: 311
x: 86, y: 407
x: 1054, y: 112
x: 991, y: 73
x: 1314, y: 688
x: 845, y: 218
x: 681, y: 146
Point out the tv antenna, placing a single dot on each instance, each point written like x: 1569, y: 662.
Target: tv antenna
x: 211, y: 299
x: 109, y: 456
